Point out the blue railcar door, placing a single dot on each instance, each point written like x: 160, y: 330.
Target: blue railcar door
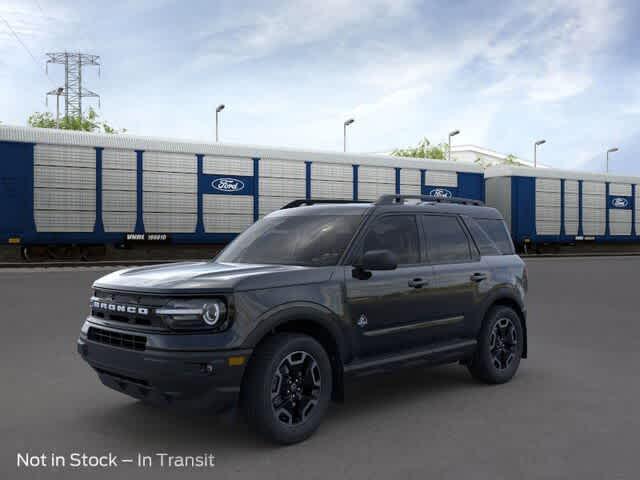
x: 16, y: 189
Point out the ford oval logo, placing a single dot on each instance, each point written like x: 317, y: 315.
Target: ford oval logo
x: 620, y: 202
x: 228, y: 185
x: 441, y: 192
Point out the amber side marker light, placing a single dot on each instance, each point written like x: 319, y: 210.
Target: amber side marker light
x: 14, y: 240
x: 236, y: 361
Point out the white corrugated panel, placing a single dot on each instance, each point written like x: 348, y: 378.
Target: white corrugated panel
x: 227, y: 204
x: 594, y: 188
x: 59, y: 199
x: 594, y: 201
x: 637, y: 207
x: 270, y: 204
x: 438, y: 178
x: 169, y: 222
x: 549, y: 214
x: 548, y: 199
x: 280, y: 187
x: 218, y: 165
x: 64, y: 221
x: 409, y: 176
x: 65, y: 156
x: 274, y: 168
x: 367, y: 174
x: 371, y: 191
x: 547, y: 227
x: 331, y: 171
x: 593, y: 228
x: 571, y: 186
x: 411, y: 189
x: 619, y: 221
x: 119, y: 200
x: 119, y: 221
x: 169, y: 202
x: 169, y: 162
x: 230, y: 223
x: 570, y: 227
x: 118, y: 159
x: 331, y: 189
x: 169, y: 182
x: 547, y: 185
x: 619, y: 189
x: 64, y: 177
x: 119, y: 179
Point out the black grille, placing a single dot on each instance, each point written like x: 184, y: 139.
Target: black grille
x: 117, y: 339
x: 149, y: 320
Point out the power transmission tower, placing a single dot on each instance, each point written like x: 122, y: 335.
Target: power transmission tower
x: 73, y: 90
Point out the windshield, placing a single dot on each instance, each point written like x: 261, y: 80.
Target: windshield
x: 311, y: 240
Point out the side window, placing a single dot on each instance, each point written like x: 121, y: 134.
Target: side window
x: 397, y: 233
x: 485, y: 244
x: 446, y: 240
x: 498, y: 233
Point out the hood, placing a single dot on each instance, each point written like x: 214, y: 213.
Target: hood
x: 203, y: 277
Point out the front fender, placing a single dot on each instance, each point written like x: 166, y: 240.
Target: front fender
x: 315, y: 313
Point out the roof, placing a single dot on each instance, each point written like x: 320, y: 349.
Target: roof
x: 514, y: 171
x: 131, y: 142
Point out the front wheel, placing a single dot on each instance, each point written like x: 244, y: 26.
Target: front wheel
x: 288, y: 388
x: 500, y: 342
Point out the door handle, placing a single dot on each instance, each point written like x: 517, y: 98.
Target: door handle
x: 478, y: 277
x: 418, y: 283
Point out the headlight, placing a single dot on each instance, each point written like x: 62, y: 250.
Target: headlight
x: 195, y: 314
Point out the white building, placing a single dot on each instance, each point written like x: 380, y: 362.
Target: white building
x: 471, y: 153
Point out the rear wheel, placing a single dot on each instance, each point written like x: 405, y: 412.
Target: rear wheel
x: 288, y: 388
x: 500, y: 342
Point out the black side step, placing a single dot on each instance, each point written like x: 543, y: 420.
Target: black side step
x: 437, y: 353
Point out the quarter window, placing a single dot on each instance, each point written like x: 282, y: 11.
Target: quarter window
x: 446, y: 240
x: 398, y: 234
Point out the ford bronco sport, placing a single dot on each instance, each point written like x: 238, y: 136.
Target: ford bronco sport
x: 305, y: 297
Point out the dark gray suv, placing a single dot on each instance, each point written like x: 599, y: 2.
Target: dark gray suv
x: 305, y: 297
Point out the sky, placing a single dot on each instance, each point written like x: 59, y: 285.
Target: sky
x: 290, y: 72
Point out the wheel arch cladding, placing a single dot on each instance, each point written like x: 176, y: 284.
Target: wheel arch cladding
x: 515, y: 306
x: 305, y: 322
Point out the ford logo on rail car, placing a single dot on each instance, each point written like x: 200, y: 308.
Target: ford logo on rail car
x: 620, y: 202
x: 441, y: 192
x: 228, y: 184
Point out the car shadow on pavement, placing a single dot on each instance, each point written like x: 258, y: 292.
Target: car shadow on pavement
x: 366, y: 398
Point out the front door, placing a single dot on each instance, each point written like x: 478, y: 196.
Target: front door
x: 389, y: 310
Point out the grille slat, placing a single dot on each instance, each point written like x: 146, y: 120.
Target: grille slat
x: 117, y: 339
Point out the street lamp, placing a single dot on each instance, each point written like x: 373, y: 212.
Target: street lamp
x: 346, y: 124
x: 611, y: 150
x: 535, y: 152
x: 218, y: 110
x: 451, y: 134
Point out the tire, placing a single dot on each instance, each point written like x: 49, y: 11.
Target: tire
x: 499, y: 351
x: 287, y: 390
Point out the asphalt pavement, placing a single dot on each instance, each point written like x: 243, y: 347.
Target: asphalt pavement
x: 571, y: 411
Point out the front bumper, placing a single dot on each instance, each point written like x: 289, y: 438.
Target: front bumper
x: 184, y: 378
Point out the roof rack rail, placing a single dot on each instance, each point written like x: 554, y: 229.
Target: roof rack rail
x: 317, y: 201
x: 394, y: 199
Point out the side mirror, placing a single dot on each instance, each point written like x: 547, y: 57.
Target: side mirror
x: 378, y: 260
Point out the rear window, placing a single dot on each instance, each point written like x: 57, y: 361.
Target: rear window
x: 491, y: 236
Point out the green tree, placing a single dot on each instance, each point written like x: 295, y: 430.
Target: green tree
x: 424, y: 149
x: 89, y: 123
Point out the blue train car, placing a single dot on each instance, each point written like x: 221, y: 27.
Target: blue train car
x: 62, y: 187
x: 546, y: 205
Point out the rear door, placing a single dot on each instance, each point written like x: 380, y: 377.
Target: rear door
x: 389, y: 310
x: 461, y: 277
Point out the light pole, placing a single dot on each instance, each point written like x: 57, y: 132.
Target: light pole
x: 611, y: 150
x: 59, y: 91
x: 218, y: 110
x: 451, y: 134
x: 344, y: 137
x: 535, y: 152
